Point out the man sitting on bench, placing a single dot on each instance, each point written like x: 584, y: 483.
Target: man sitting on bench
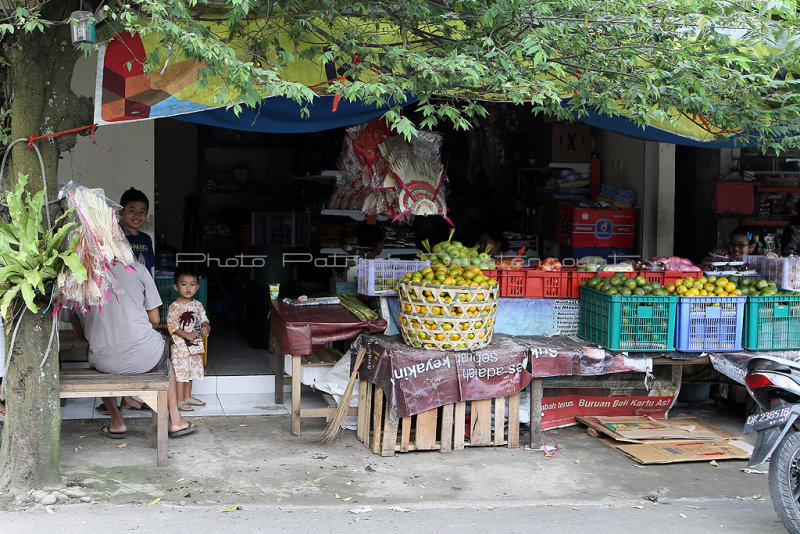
x: 122, y: 340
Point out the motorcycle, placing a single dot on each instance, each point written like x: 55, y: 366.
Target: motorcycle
x: 774, y: 383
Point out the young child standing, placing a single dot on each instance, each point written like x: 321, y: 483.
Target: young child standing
x: 132, y: 215
x: 187, y: 324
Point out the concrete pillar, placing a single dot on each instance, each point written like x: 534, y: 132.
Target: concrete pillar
x: 657, y: 217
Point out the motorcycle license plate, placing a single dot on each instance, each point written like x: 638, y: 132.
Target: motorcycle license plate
x: 760, y: 421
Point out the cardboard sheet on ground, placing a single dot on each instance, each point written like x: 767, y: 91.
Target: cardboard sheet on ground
x: 653, y: 441
x: 667, y: 451
x: 636, y: 429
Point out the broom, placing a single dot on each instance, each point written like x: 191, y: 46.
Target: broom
x: 334, y: 428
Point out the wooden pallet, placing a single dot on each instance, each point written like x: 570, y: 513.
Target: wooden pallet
x: 444, y: 429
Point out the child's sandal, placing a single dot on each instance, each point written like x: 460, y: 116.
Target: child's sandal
x: 184, y: 406
x: 194, y: 402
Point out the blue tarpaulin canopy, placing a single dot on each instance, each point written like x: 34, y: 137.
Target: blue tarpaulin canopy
x: 282, y: 115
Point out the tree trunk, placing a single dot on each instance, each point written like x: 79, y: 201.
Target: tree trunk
x: 40, y: 72
x: 32, y: 430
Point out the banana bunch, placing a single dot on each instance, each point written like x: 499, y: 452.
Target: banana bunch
x: 30, y: 254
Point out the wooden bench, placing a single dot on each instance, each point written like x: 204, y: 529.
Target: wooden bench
x: 150, y: 387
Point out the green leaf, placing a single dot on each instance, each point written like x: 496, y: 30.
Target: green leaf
x: 73, y: 263
x: 8, y: 297
x: 28, y: 294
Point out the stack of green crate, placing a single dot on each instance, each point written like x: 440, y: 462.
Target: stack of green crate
x: 772, y: 322
x: 635, y: 324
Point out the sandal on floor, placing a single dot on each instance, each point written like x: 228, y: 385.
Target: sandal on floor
x: 188, y: 430
x: 194, y: 402
x: 143, y: 406
x: 184, y: 406
x: 107, y: 432
x: 101, y: 409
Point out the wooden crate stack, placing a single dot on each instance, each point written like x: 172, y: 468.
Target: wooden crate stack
x: 443, y: 429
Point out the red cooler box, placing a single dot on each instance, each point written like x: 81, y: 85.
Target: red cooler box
x: 588, y: 227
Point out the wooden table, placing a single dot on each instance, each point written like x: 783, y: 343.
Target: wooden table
x: 537, y: 390
x: 296, y: 329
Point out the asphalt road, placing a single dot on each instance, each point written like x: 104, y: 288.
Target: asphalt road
x: 713, y: 515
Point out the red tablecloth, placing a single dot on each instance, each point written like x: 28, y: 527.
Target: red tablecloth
x: 296, y: 328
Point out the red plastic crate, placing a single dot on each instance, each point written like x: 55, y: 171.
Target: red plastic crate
x: 535, y: 284
x: 578, y: 278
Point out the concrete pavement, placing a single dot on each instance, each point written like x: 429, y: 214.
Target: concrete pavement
x: 285, y: 484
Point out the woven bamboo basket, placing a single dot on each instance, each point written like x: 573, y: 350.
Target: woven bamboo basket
x: 439, y: 317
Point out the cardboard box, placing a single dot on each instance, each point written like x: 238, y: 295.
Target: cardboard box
x: 664, y: 441
x: 589, y: 227
x: 638, y: 429
x: 570, y: 143
x: 733, y: 197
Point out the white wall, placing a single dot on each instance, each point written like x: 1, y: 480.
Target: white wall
x: 123, y: 156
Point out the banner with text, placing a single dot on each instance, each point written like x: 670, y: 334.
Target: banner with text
x: 415, y: 381
x: 561, y: 405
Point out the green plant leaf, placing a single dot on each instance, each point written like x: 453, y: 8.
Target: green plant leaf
x: 8, y: 297
x: 73, y: 263
x: 28, y: 294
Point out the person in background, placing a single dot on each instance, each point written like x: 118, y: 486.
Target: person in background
x: 790, y: 238
x: 371, y: 236
x: 740, y: 242
x: 187, y: 324
x: 132, y: 216
x: 494, y: 241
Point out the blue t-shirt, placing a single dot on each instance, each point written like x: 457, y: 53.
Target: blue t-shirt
x: 142, y: 247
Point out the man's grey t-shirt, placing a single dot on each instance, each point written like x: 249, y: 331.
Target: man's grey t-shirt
x: 121, y: 338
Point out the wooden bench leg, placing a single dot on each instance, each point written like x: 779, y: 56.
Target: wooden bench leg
x: 296, y: 375
x: 151, y: 400
x: 162, y: 429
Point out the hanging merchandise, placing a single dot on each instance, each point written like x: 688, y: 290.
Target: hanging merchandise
x: 101, y: 243
x: 418, y: 172
x: 383, y: 174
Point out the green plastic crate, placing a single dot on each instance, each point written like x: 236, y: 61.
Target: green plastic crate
x: 168, y: 295
x: 634, y: 324
x: 772, y: 323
